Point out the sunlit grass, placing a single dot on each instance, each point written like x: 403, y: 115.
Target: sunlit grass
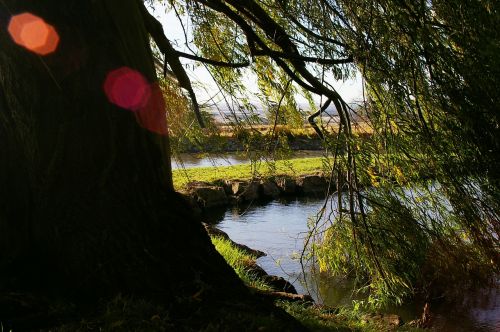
x: 239, y: 261
x: 292, y: 167
x: 315, y: 318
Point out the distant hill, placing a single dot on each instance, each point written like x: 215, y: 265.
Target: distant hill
x: 222, y: 113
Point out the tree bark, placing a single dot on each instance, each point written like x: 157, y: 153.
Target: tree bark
x: 87, y: 205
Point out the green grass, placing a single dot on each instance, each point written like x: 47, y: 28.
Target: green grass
x: 292, y: 167
x: 315, y: 318
x: 239, y: 261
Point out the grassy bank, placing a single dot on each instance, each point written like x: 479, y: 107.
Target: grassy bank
x: 315, y: 318
x: 293, y: 167
x: 239, y: 261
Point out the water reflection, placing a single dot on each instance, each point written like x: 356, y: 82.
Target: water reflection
x: 279, y: 229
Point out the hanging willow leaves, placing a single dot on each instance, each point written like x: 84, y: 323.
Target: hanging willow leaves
x: 418, y: 200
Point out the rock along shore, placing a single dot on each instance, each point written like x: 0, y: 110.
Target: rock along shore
x: 203, y: 196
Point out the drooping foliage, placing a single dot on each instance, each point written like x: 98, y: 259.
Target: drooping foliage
x: 431, y: 83
x: 417, y: 202
x: 419, y: 199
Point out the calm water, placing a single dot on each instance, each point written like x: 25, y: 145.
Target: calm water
x: 279, y: 229
x: 189, y: 160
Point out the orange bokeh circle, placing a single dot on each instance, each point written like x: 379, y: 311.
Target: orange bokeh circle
x: 33, y: 33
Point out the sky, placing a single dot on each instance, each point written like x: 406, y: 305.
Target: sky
x: 350, y: 90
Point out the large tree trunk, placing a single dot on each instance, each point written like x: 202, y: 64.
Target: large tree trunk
x: 87, y: 205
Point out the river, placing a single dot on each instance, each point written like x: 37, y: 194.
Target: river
x: 279, y: 228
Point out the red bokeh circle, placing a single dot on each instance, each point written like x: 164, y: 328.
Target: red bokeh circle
x: 127, y: 88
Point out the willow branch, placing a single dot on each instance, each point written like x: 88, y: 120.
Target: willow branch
x: 321, y: 61
x: 309, y: 31
x: 212, y: 62
x: 155, y: 29
x: 315, y: 115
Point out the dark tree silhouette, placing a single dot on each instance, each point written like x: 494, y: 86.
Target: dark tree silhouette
x: 87, y: 207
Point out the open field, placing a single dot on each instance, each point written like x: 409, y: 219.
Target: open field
x: 360, y: 127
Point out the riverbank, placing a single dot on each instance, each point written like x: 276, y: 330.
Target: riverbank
x: 245, y: 172
x: 221, y: 187
x: 232, y: 185
x: 315, y: 317
x: 271, y: 226
x: 234, y: 138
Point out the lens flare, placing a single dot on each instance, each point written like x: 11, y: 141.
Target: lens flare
x: 153, y: 115
x: 33, y: 33
x: 127, y: 88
